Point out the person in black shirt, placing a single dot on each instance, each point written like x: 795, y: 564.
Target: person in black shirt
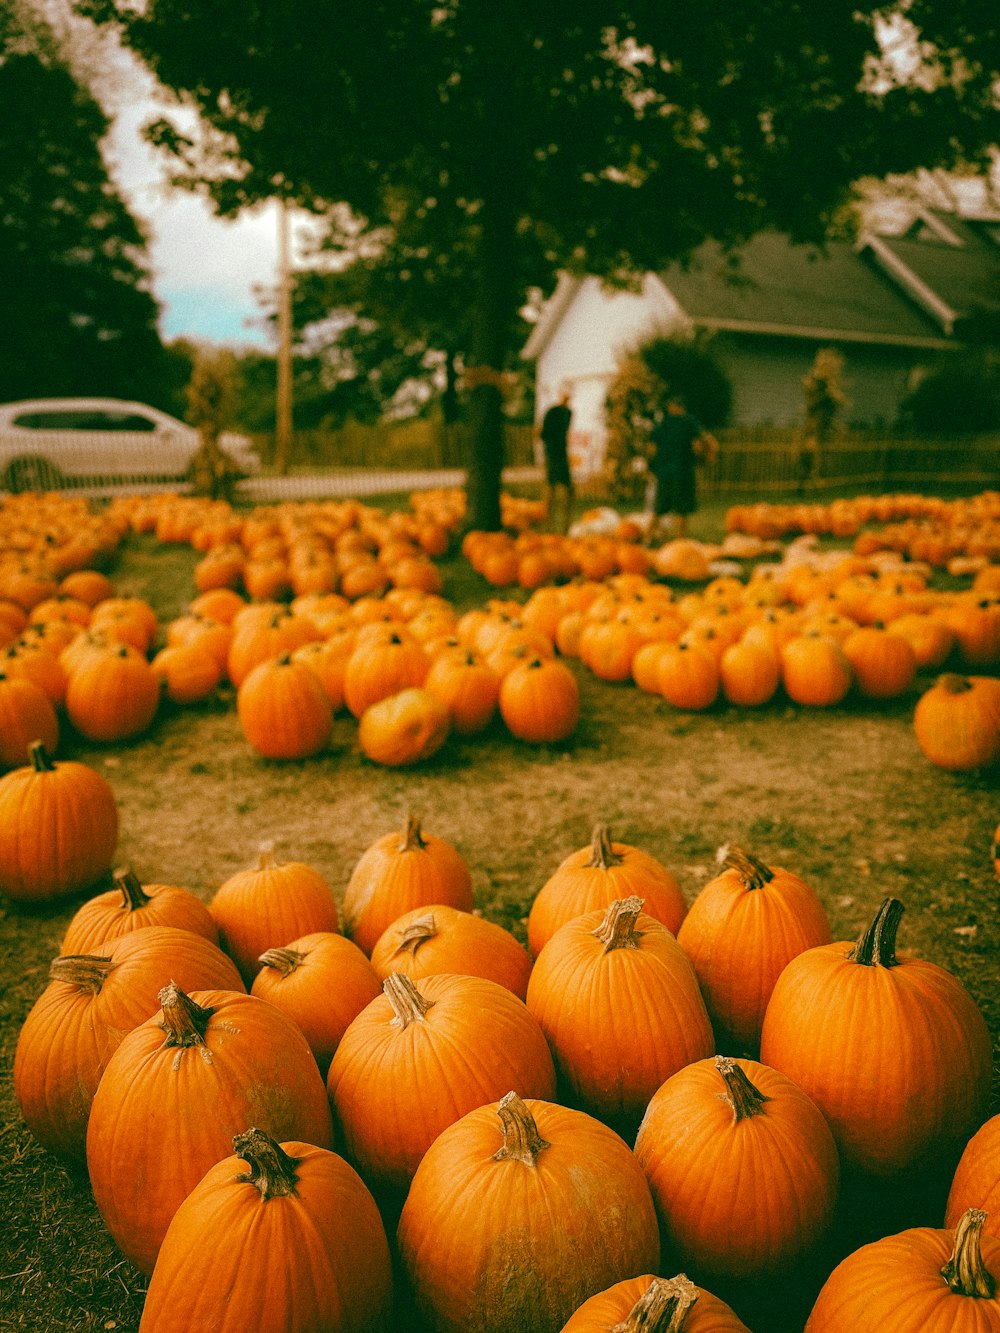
x: 680, y: 442
x: 554, y: 435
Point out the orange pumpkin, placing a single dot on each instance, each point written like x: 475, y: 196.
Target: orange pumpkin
x: 620, y: 1007
x: 400, y: 872
x: 650, y: 1302
x: 422, y: 1055
x: 131, y: 906
x: 595, y: 877
x: 891, y: 1048
x: 406, y: 728
x: 284, y: 711
x: 957, y: 722
x: 297, y: 1240
x: 527, y: 1158
x: 540, y: 701
x: 439, y: 938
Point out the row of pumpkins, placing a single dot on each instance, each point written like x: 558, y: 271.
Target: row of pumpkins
x: 441, y: 1045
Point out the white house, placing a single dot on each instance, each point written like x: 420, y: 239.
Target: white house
x: 890, y: 305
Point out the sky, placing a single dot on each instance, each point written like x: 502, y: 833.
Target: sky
x: 204, y: 270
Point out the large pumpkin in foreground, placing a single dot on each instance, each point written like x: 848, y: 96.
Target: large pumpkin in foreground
x: 519, y: 1212
x: 893, y: 1050
x: 283, y: 1237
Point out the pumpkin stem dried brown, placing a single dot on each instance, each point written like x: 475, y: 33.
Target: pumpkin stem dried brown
x: 602, y: 854
x: 617, y: 930
x: 265, y: 855
x: 39, y: 758
x: 133, y: 895
x: 662, y: 1307
x: 876, y: 946
x: 952, y: 683
x: 408, y: 1004
x: 412, y: 839
x: 416, y: 933
x: 272, y: 1170
x: 184, y: 1022
x: 753, y: 873
x: 744, y: 1097
x: 83, y: 970
x: 966, y: 1272
x: 521, y: 1139
x: 284, y: 960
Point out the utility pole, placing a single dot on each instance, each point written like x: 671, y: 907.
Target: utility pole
x: 283, y: 398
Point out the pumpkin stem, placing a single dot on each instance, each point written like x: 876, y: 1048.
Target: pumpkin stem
x: 876, y: 947
x: 662, y: 1307
x: 617, y: 930
x: 416, y: 933
x: 521, y: 1139
x: 952, y: 683
x: 753, y: 873
x: 744, y: 1097
x: 184, y: 1022
x: 602, y: 855
x: 41, y: 761
x: 83, y: 970
x: 283, y: 960
x: 412, y: 840
x: 272, y: 1171
x: 408, y: 1004
x: 133, y: 894
x: 966, y: 1272
x: 266, y: 859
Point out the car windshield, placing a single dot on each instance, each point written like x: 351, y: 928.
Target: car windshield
x: 84, y: 419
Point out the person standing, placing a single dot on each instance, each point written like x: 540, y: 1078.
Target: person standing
x: 680, y: 443
x: 554, y: 435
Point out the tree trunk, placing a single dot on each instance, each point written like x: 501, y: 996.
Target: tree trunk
x: 491, y: 321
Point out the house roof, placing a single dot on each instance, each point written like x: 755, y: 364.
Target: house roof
x: 777, y: 287
x: 958, y: 263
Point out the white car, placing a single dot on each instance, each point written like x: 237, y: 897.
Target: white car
x: 48, y: 443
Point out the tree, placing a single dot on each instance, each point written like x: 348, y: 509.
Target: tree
x: 503, y: 143
x: 77, y: 314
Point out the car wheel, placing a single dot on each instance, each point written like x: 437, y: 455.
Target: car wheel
x: 31, y: 474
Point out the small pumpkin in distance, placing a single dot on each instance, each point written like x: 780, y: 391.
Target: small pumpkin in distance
x: 284, y: 711
x: 403, y: 729
x: 540, y: 701
x: 957, y: 722
x: 26, y: 715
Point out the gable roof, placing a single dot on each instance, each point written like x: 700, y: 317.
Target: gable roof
x: 780, y: 288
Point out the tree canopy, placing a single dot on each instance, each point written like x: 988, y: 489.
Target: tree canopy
x: 495, y: 145
x: 75, y: 306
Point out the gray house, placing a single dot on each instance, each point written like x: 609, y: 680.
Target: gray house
x: 892, y: 306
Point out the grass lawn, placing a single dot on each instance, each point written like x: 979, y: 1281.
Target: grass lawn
x: 842, y: 797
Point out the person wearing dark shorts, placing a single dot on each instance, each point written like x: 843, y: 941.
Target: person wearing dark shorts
x: 680, y: 442
x: 554, y: 435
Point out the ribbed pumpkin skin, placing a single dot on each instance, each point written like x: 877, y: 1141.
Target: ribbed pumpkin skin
x: 740, y: 938
x: 501, y: 1245
x: 957, y: 722
x: 540, y: 701
x: 267, y: 906
x: 394, y: 1088
x: 896, y: 1284
x: 26, y: 715
x: 322, y: 992
x: 596, y: 876
x: 58, y: 829
x: 602, y: 1312
x: 814, y: 670
x: 738, y: 1198
x: 284, y: 710
x: 110, y: 915
x: 163, y: 1115
x: 976, y: 1183
x: 231, y: 1261
x: 399, y: 872
x: 72, y: 1031
x: 404, y: 728
x: 619, y: 1021
x: 897, y: 1058
x: 112, y: 694
x: 439, y: 938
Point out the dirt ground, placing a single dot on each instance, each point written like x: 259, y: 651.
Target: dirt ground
x: 842, y: 797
